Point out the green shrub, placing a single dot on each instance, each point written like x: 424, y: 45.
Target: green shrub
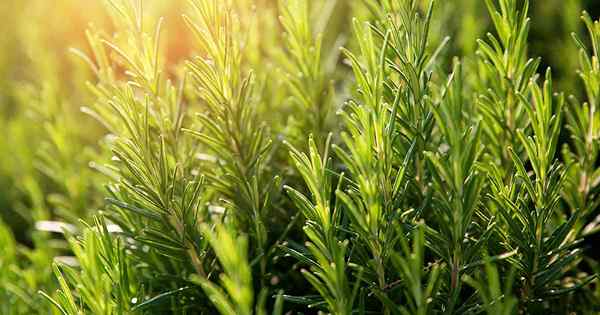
x: 262, y: 169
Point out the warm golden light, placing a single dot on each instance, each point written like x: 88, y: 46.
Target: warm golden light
x: 253, y: 157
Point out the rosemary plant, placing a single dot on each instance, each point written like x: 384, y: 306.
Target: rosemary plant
x: 232, y: 158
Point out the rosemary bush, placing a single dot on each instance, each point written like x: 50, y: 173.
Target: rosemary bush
x: 293, y: 156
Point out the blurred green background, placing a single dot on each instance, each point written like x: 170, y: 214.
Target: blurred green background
x: 50, y: 150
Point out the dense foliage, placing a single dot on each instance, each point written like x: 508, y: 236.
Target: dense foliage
x: 295, y: 156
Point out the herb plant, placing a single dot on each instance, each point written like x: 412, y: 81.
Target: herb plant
x: 293, y: 156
